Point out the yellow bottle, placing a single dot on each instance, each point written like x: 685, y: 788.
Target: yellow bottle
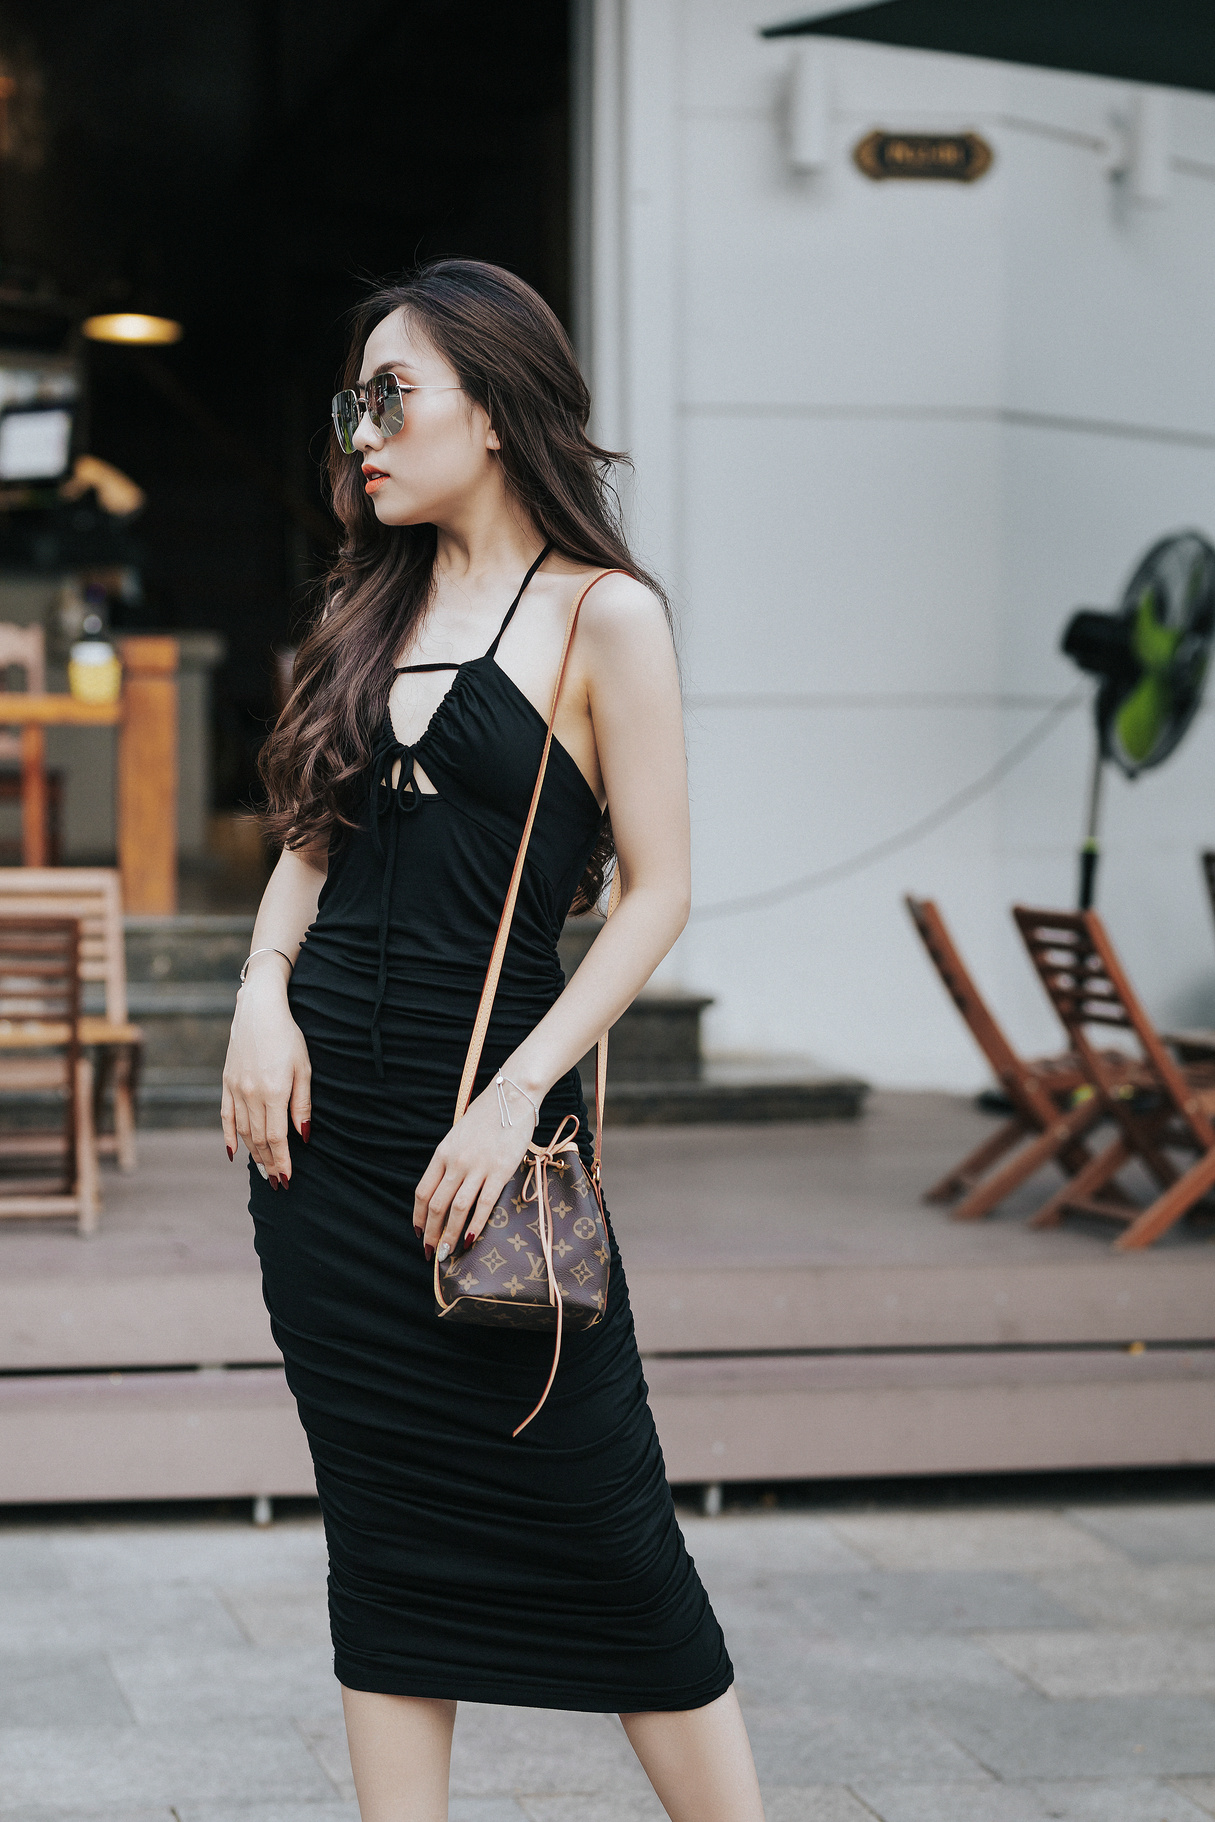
x: 94, y: 673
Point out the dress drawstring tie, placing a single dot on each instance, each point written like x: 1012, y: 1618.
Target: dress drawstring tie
x: 391, y: 801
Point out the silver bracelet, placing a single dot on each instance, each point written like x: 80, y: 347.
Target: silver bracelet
x: 244, y: 971
x: 503, y: 1109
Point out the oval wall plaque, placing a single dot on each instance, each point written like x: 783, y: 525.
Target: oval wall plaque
x: 953, y: 157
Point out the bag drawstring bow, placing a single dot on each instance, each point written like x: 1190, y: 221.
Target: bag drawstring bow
x: 535, y: 1188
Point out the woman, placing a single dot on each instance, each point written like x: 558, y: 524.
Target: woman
x: 546, y: 1569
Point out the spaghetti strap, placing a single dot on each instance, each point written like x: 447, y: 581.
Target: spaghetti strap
x: 400, y: 669
x: 514, y: 604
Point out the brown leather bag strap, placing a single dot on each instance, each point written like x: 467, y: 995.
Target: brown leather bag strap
x: 481, y: 1023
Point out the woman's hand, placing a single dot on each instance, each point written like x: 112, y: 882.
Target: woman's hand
x: 470, y: 1169
x: 267, y: 1073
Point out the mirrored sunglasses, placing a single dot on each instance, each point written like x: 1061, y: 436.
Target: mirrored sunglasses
x: 383, y: 401
x: 382, y: 398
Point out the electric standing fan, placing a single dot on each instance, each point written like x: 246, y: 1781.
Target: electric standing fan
x: 1151, y: 655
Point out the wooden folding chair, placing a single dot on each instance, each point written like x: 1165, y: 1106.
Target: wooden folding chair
x: 1161, y: 1107
x: 1053, y: 1104
x: 94, y: 896
x: 40, y: 1050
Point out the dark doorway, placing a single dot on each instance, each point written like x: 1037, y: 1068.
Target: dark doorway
x: 247, y: 166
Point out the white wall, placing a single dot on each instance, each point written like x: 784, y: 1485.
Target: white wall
x: 887, y: 436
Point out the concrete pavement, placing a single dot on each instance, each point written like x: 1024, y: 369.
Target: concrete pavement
x: 964, y: 1665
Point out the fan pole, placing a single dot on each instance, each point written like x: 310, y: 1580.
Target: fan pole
x: 1090, y: 853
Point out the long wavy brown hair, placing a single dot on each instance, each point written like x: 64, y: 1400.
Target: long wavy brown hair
x: 513, y: 358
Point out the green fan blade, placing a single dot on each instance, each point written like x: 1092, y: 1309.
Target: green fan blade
x: 1152, y: 643
x: 1142, y: 718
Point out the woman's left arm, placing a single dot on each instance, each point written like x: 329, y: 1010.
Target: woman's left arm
x: 626, y: 660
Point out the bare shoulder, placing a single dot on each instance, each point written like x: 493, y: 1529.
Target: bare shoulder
x: 620, y: 612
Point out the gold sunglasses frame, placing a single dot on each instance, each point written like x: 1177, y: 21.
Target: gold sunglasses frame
x: 360, y: 395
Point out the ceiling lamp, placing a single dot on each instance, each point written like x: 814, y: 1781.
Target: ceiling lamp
x: 133, y: 329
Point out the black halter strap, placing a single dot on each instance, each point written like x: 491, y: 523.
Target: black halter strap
x: 510, y: 612
x: 400, y: 669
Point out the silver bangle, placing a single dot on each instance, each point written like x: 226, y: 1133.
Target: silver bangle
x: 244, y: 971
x: 503, y: 1109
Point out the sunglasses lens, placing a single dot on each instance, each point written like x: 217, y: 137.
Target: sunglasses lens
x: 386, y: 404
x: 346, y: 414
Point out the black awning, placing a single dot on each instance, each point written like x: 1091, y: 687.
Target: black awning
x: 1166, y: 42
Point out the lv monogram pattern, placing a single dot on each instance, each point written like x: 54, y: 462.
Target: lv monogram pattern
x: 503, y: 1279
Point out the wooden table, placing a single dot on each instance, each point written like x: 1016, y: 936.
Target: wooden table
x: 146, y: 719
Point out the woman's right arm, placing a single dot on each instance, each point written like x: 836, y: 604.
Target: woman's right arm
x: 267, y: 1073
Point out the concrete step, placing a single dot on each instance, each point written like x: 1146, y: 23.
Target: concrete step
x: 179, y: 1094
x: 224, y: 1433
x: 189, y: 1435
x: 195, y: 948
x: 182, y: 977
x: 657, y: 1040
x: 188, y: 1095
x: 182, y: 980
x: 181, y: 987
x: 722, y: 1096
x: 998, y: 1412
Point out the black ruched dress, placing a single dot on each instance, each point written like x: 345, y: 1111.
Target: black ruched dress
x: 546, y: 1570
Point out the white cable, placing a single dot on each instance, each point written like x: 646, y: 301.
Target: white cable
x: 906, y: 838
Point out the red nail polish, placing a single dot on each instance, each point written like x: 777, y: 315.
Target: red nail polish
x: 305, y: 1130
x: 230, y: 1152
x: 273, y: 1182
x: 419, y: 1231
x: 468, y: 1240
x: 430, y: 1253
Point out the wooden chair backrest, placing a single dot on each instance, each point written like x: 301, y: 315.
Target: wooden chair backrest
x: 40, y: 986
x: 93, y: 896
x: 40, y: 971
x: 1089, y: 989
x: 24, y: 648
x: 1010, y: 1070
